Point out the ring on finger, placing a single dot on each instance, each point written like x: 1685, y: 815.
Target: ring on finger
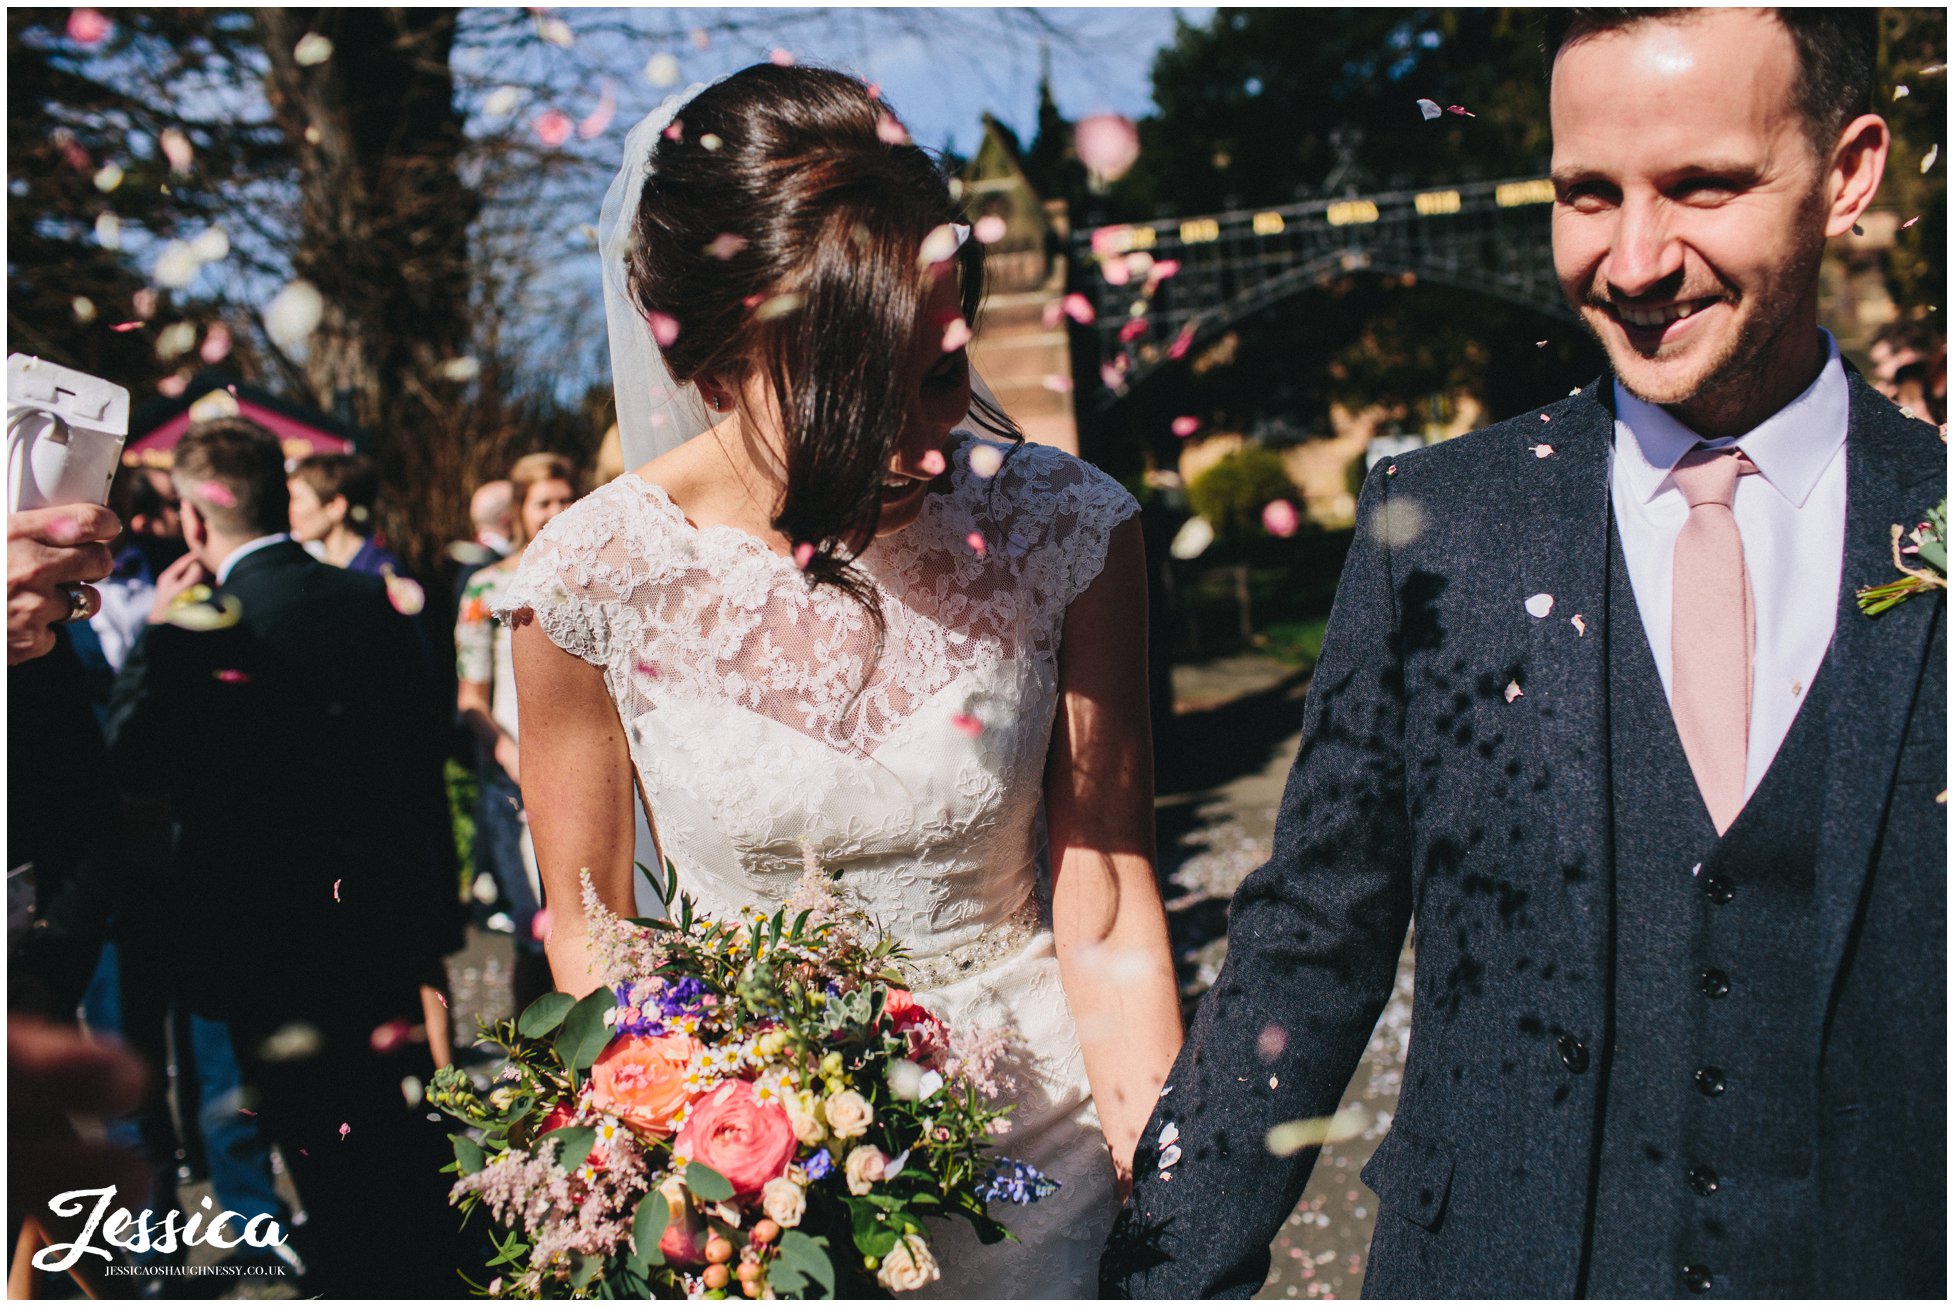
x: 83, y: 600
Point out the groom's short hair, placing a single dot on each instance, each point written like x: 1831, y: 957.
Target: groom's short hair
x: 233, y: 470
x: 1835, y: 54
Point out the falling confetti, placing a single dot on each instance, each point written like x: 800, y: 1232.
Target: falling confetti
x: 1112, y: 375
x: 710, y: 141
x: 1909, y: 222
x: 891, y: 132
x: 664, y: 328
x: 344, y: 1130
x: 1108, y: 144
x: 502, y: 102
x: 293, y: 314
x: 985, y: 460
x: 933, y: 462
x: 389, y: 1036
x: 211, y: 245
x: 1540, y: 344
x: 1270, y: 1043
x: 1545, y: 417
x: 1193, y: 539
x: 600, y: 117
x: 1902, y: 92
x: 967, y: 724
x: 725, y: 245
x: 1133, y: 330
x: 1114, y: 271
x: 312, y: 49
x: 84, y: 309
x: 1057, y: 384
x: 1185, y: 426
x: 216, y: 492
x: 1541, y: 451
x: 977, y: 544
x: 1540, y: 605
x: 406, y: 595
x: 989, y: 229
x: 176, y: 148
x: 1280, y: 519
x: 335, y: 889
x: 803, y: 555
x: 108, y: 231
x: 1513, y: 691
x: 465, y: 368
x: 1459, y: 110
x: 176, y: 266
x: 700, y: 39
x: 553, y: 127
x: 89, y: 27
x: 555, y: 31
x: 662, y: 70
x: 1430, y: 109
x: 108, y: 177
x: 1579, y: 624
x: 1927, y: 163
x: 956, y: 336
x: 232, y: 676
x: 175, y: 340
x: 940, y: 244
x: 1078, y: 308
x: 1292, y: 1137
x: 777, y: 307
x: 539, y: 930
x: 1182, y: 342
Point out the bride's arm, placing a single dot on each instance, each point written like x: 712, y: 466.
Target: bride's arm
x: 1107, y: 918
x: 577, y: 790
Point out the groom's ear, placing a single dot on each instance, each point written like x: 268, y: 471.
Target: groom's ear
x: 1852, y: 176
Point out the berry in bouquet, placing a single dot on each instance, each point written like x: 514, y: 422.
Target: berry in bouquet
x: 754, y: 1105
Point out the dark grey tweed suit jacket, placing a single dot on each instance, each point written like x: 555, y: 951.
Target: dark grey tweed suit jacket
x: 1424, y: 792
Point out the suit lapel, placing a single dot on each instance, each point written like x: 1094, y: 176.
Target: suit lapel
x: 1892, y: 467
x: 1563, y: 552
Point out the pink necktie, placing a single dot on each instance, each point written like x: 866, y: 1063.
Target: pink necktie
x: 1713, y: 636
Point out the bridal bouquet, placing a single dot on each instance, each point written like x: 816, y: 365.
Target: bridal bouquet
x: 754, y: 1105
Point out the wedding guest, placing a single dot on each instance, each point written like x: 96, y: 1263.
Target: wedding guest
x: 491, y: 512
x: 542, y: 486
x: 333, y: 497
x: 151, y: 539
x: 1909, y: 361
x: 316, y: 881
x: 52, y: 554
x: 1599, y: 711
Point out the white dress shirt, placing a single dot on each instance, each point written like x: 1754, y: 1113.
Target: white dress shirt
x: 1791, y: 514
x: 245, y: 550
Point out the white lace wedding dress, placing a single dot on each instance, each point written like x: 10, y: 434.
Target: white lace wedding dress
x: 923, y: 793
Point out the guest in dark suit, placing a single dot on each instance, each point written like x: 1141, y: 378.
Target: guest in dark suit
x: 1664, y: 805
x: 288, y: 717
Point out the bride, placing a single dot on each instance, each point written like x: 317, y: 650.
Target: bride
x: 845, y: 612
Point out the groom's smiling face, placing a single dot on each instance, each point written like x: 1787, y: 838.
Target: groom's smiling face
x: 1689, y: 214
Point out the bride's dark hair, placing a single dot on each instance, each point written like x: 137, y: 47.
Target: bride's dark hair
x: 780, y: 227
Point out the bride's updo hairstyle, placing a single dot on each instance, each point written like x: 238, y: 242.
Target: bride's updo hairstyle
x: 781, y: 228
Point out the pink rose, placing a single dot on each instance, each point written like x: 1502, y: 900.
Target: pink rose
x: 640, y: 1079
x: 684, y: 1240
x: 733, y: 1132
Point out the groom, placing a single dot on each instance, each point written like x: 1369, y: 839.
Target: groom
x: 1598, y: 710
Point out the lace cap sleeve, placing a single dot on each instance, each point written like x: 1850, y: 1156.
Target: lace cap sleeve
x: 574, y: 575
x: 1064, y: 510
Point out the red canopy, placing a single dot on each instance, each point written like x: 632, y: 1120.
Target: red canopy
x: 154, y: 447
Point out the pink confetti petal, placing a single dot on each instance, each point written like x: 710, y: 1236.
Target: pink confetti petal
x: 933, y: 463
x: 217, y: 343
x: 1430, y: 109
x: 176, y: 148
x: 406, y: 595
x: 989, y: 229
x: 389, y: 1036
x: 1182, y: 342
x: 1579, y: 623
x: 1541, y: 451
x: 726, y: 245
x: 1544, y: 417
x: 600, y: 117
x: 553, y: 127
x: 216, y: 492
x: 1054, y: 313
x: 232, y: 676
x: 1112, y: 376
x: 977, y: 543
x: 1185, y: 426
x: 1057, y: 384
x: 173, y: 385
x: 664, y: 328
x: 1513, y: 691
x: 1909, y: 222
x: 1115, y: 272
x: 956, y: 336
x: 539, y: 930
x: 1280, y: 518
x: 891, y: 132
x: 967, y: 724
x: 144, y: 302
x: 335, y: 888
x: 1462, y: 112
x: 89, y: 27
x: 1078, y: 308
x: 676, y: 131
x: 1540, y: 344
x: 1108, y: 144
x: 1133, y: 330
x: 803, y: 555
x: 781, y: 59
x: 344, y: 1130
x: 647, y: 670
x: 1270, y: 1043
x: 124, y: 326
x: 1163, y: 269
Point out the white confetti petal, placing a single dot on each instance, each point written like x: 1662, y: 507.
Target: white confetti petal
x: 556, y: 32
x: 293, y: 314
x: 1513, y: 691
x: 985, y: 460
x: 175, y: 339
x: 464, y: 368
x: 176, y: 266
x: 1169, y: 1134
x: 502, y: 102
x: 108, y: 231
x: 662, y: 70
x: 108, y: 177
x: 1927, y: 163
x: 1169, y: 1155
x: 1430, y: 109
x: 1294, y: 1136
x: 1541, y: 451
x: 939, y: 245
x: 1193, y: 539
x: 312, y: 49
x: 212, y: 246
x: 1540, y: 605
x: 1579, y: 623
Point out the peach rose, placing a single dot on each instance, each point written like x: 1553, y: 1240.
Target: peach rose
x: 640, y: 1079
x: 733, y: 1132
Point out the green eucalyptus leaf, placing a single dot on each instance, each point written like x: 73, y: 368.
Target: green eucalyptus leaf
x: 468, y: 1154
x: 544, y: 1015
x: 573, y: 1144
x: 803, y: 1261
x: 584, y: 1033
x: 707, y: 1183
x: 648, y: 1227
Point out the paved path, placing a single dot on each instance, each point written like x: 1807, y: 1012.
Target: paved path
x: 1238, y: 725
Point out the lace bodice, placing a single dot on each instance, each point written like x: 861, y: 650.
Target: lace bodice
x: 761, y: 714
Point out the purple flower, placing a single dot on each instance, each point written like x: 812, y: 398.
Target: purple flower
x: 1016, y: 1182
x: 819, y: 1165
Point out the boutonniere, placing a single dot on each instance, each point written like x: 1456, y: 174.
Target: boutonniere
x: 1926, y: 547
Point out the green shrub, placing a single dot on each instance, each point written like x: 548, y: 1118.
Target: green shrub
x: 1232, y: 493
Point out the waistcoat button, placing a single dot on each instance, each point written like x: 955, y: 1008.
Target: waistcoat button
x: 1713, y: 983
x: 1696, y: 1279
x: 1573, y: 1053
x: 1702, y: 1180
x: 1709, y: 1080
x: 1719, y: 889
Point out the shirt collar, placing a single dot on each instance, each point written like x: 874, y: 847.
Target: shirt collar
x: 1791, y: 448
x: 245, y: 550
